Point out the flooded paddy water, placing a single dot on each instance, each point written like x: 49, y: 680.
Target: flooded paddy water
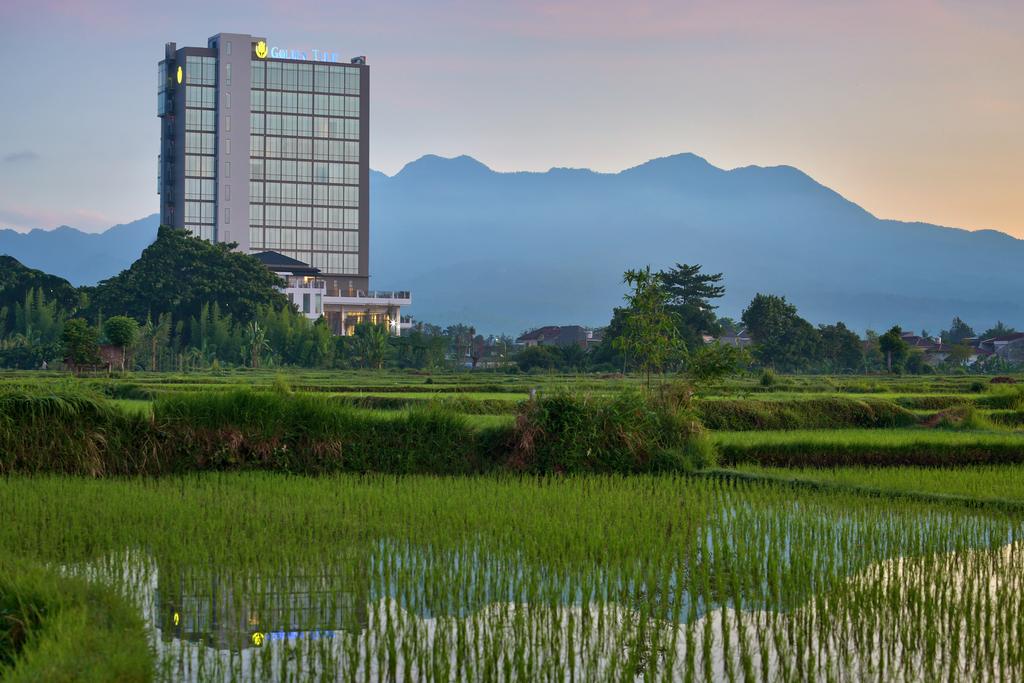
x: 264, y: 577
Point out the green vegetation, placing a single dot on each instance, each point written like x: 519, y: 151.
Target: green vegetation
x: 363, y: 525
x: 593, y: 578
x: 58, y: 628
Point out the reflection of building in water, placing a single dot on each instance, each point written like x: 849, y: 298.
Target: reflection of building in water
x: 229, y: 614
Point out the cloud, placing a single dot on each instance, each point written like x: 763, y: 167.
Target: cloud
x: 17, y: 157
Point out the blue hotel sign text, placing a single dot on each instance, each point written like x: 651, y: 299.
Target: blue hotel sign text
x: 314, y: 55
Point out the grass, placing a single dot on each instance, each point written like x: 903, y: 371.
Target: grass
x: 502, y: 578
x: 870, y: 528
x: 56, y: 628
x: 838, y: 447
x: 982, y: 483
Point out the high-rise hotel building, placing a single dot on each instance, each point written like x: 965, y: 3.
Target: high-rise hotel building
x: 267, y: 147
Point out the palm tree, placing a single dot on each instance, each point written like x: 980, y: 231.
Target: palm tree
x: 371, y: 344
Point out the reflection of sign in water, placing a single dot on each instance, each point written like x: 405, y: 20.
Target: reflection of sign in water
x: 179, y: 75
x: 257, y: 638
x: 177, y: 618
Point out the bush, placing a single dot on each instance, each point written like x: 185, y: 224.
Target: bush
x: 629, y: 432
x: 768, y: 378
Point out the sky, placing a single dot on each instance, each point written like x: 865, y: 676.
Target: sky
x: 913, y: 109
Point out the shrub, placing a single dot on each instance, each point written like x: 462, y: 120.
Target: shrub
x: 629, y: 432
x: 768, y: 378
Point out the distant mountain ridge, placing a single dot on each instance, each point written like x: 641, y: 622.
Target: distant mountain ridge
x: 508, y: 251
x: 83, y: 258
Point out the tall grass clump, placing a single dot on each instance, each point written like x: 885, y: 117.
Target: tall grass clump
x: 835, y: 412
x: 55, y: 628
x: 627, y: 432
x: 72, y: 432
x: 301, y: 433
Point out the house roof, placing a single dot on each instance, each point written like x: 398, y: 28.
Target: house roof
x: 279, y: 263
x: 546, y: 332
x: 1005, y: 338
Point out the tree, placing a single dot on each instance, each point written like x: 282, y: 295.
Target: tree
x: 179, y: 274
x: 121, y: 331
x: 1000, y: 330
x: 715, y: 361
x: 958, y: 356
x: 895, y: 349
x: 543, y: 357
x: 782, y: 339
x: 841, y: 348
x: 256, y: 344
x: 689, y: 295
x: 957, y: 332
x: 80, y: 341
x: 650, y: 335
x: 371, y: 343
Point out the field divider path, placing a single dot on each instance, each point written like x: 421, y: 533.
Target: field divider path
x: 1001, y: 504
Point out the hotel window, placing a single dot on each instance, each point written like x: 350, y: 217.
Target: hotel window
x: 227, y: 123
x: 255, y: 238
x: 227, y: 169
x: 227, y: 215
x: 200, y: 70
x: 258, y: 73
x: 274, y: 75
x: 227, y: 193
x: 227, y: 75
x: 305, y: 74
x: 227, y: 100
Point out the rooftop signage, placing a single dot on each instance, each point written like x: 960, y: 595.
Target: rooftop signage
x: 262, y: 51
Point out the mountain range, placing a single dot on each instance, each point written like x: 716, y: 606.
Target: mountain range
x: 510, y: 251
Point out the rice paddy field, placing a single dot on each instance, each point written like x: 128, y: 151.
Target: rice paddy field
x: 826, y: 529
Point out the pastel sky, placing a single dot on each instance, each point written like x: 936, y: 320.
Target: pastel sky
x: 913, y: 109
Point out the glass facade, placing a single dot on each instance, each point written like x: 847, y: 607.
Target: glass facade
x: 304, y: 149
x: 200, y: 145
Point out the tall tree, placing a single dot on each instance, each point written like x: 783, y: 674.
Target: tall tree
x: 782, y: 339
x: 689, y: 295
x: 999, y: 330
x: 81, y: 342
x: 895, y: 349
x: 650, y: 336
x: 841, y: 348
x: 957, y: 332
x: 121, y: 331
x: 179, y: 273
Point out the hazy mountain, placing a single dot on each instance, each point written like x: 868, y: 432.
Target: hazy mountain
x: 83, y: 258
x: 507, y: 251
x: 512, y: 250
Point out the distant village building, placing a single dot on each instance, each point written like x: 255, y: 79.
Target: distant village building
x: 555, y: 335
x: 936, y: 352
x: 740, y: 339
x: 1008, y: 347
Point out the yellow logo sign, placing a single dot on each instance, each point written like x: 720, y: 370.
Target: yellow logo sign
x: 179, y: 75
x: 177, y: 618
x: 258, y: 638
x: 261, y: 49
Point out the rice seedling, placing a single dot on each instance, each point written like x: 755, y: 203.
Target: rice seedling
x: 259, y: 576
